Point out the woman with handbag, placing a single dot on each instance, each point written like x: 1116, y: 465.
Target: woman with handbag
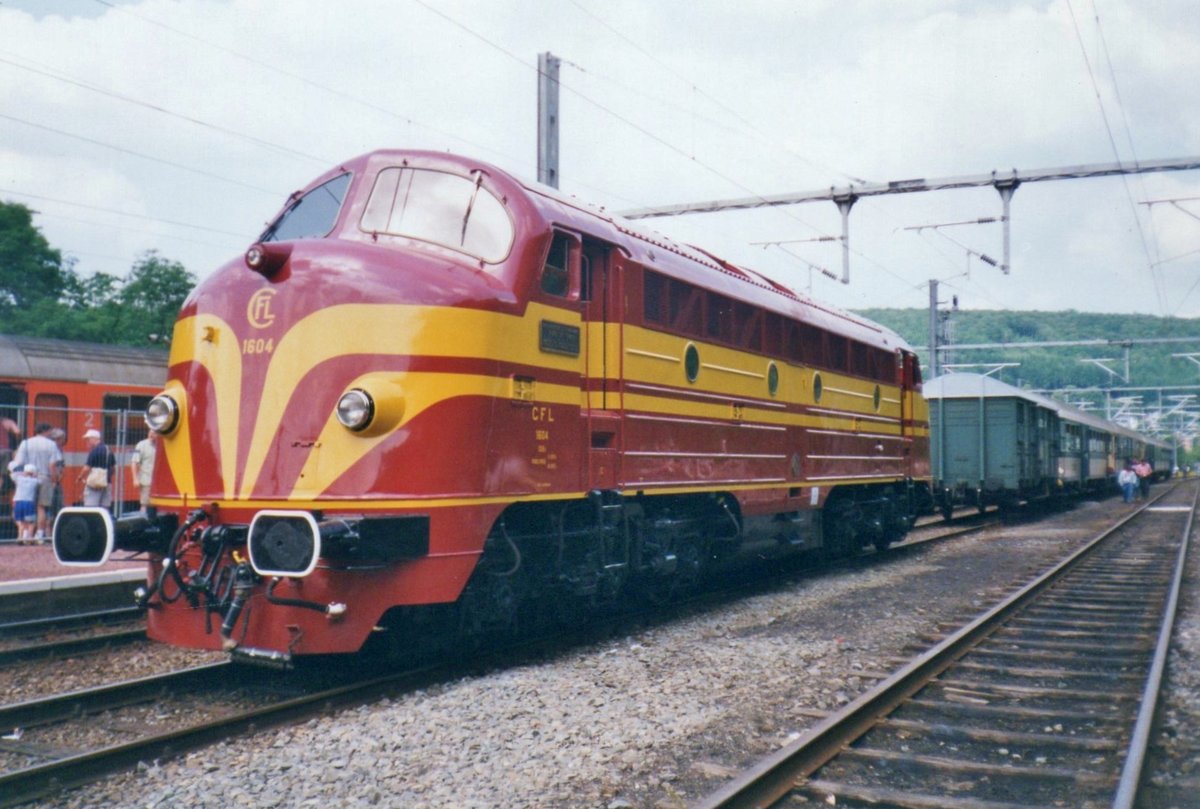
x: 97, y: 472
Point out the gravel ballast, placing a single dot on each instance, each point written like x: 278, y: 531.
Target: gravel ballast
x: 652, y: 718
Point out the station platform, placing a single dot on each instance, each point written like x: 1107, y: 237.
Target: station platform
x: 34, y: 585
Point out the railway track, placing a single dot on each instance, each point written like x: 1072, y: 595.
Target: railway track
x: 73, y: 739
x: 69, y: 622
x: 71, y: 647
x: 70, y: 635
x: 76, y: 738
x: 1045, y: 700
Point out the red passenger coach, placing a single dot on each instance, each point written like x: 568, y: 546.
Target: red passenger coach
x: 75, y: 387
x: 433, y: 390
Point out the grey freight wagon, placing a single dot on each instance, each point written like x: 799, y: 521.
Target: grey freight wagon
x: 991, y: 443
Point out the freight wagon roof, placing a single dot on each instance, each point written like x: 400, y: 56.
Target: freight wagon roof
x: 973, y: 386
x: 68, y: 360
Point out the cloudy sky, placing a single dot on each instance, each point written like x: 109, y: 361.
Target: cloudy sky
x: 181, y: 126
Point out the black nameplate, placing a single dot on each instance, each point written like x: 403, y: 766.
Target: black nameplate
x: 559, y: 338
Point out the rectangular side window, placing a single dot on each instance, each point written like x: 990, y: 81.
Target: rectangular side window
x: 50, y: 408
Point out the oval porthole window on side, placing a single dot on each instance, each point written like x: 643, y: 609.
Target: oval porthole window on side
x: 817, y: 387
x: 691, y: 362
x: 772, y: 378
x: 878, y: 398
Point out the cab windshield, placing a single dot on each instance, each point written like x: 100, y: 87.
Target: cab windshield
x: 312, y: 216
x: 446, y: 209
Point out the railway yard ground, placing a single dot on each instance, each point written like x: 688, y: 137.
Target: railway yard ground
x: 647, y: 713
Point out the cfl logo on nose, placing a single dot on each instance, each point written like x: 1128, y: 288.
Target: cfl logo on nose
x: 258, y: 310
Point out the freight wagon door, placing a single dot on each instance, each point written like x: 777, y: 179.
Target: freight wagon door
x: 601, y: 295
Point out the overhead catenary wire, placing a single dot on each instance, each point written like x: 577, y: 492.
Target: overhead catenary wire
x: 1117, y: 155
x: 338, y: 93
x: 1116, y: 87
x: 117, y: 212
x: 751, y: 129
x: 672, y: 147
x: 309, y: 82
x: 676, y: 149
x: 49, y: 72
x: 631, y: 107
x: 141, y: 155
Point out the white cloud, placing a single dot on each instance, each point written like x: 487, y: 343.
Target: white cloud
x: 761, y: 97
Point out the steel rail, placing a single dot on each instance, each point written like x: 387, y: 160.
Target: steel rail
x: 58, y: 707
x: 1131, y: 773
x: 72, y: 646
x: 40, y: 780
x: 41, y: 625
x: 774, y: 777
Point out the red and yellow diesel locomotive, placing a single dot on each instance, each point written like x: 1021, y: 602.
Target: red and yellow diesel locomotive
x: 431, y: 388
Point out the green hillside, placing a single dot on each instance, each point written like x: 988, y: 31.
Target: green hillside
x: 1150, y: 365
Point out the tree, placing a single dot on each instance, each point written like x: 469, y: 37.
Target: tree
x: 30, y: 269
x: 151, y: 297
x: 42, y: 294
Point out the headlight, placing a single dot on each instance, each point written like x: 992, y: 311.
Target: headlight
x: 355, y: 409
x: 162, y: 414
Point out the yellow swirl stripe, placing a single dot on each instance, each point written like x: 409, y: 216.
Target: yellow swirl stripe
x: 338, y: 448
x: 209, y: 341
x: 384, y: 330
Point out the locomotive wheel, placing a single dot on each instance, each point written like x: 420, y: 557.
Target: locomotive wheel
x: 488, y: 608
x: 659, y: 590
x: 947, y: 509
x: 690, y: 573
x: 841, y: 533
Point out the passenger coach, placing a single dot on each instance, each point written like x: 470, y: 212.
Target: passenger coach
x: 74, y: 386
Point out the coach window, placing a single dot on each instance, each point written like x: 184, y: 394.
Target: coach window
x: 441, y: 208
x: 312, y: 215
x: 556, y: 270
x: 654, y: 298
x: 50, y: 408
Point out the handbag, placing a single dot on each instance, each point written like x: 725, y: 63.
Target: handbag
x: 97, y: 477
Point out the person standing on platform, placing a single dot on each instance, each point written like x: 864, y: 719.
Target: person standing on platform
x: 41, y: 451
x: 25, y: 502
x: 1144, y: 471
x: 1127, y: 479
x: 143, y: 467
x: 97, y: 473
x: 59, y: 436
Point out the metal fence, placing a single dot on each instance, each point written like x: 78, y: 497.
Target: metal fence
x: 121, y: 430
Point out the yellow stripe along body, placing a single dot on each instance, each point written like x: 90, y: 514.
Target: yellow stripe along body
x: 729, y: 396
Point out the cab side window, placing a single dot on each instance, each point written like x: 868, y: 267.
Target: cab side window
x: 555, y: 275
